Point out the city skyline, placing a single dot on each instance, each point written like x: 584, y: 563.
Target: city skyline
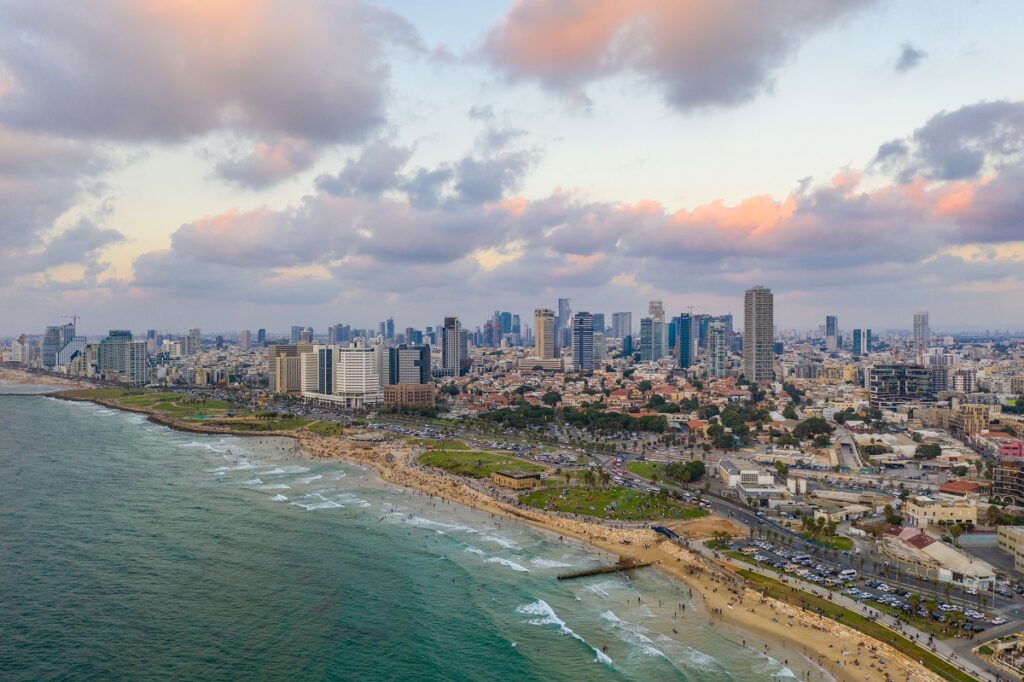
x: 434, y: 162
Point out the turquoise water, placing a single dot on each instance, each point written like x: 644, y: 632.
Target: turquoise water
x: 130, y: 551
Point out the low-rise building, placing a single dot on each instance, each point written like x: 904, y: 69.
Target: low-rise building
x: 516, y: 480
x: 921, y: 511
x: 409, y: 395
x: 733, y: 474
x: 1011, y: 541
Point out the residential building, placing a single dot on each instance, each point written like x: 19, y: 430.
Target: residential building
x: 920, y: 511
x: 758, y: 334
x: 408, y: 365
x: 285, y: 367
x: 651, y: 335
x: 1008, y: 481
x: 717, y: 349
x: 358, y: 376
x: 245, y: 339
x: 861, y: 342
x: 685, y: 341
x: 452, y: 336
x: 922, y: 332
x: 892, y: 385
x: 831, y: 333
x: 1011, y: 540
x: 122, y: 359
x: 409, y: 395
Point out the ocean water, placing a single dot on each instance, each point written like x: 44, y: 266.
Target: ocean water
x: 131, y: 551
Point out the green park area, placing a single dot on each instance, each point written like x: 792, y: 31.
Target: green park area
x: 648, y: 470
x: 616, y: 502
x: 831, y: 541
x: 438, y: 444
x: 791, y: 595
x: 473, y: 463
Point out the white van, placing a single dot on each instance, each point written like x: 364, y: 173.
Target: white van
x: 848, y: 574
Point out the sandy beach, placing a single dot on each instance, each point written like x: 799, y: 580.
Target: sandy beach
x: 841, y: 651
x: 17, y: 377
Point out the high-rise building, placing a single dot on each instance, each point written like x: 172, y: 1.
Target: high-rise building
x: 284, y: 366
x: 700, y: 324
x: 861, y: 341
x: 600, y: 348
x: 583, y: 342
x: 599, y: 327
x: 563, y: 322
x: 922, y: 333
x: 245, y: 339
x: 389, y: 328
x: 358, y: 376
x: 296, y: 333
x: 651, y: 336
x: 451, y: 346
x: 717, y: 348
x: 56, y: 337
x: 831, y: 332
x: 758, y: 333
x: 544, y: 333
x: 622, y: 325
x: 306, y: 335
x: 261, y: 337
x: 122, y: 359
x: 685, y: 340
x: 408, y: 365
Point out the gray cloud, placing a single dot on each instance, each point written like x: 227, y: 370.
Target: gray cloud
x: 702, y: 53
x: 909, y: 58
x: 268, y: 163
x: 147, y: 72
x: 375, y: 171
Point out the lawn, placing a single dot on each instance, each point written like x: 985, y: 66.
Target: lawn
x: 438, y: 444
x: 475, y: 464
x: 614, y: 502
x: 326, y: 428
x: 260, y: 425
x: 791, y: 595
x: 834, y: 542
x: 647, y: 470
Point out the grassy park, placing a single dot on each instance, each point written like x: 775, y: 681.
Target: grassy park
x: 616, y: 502
x: 473, y: 463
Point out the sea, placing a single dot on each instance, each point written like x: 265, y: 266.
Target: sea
x: 129, y: 551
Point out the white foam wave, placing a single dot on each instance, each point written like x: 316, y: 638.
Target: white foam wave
x: 271, y: 472
x: 328, y: 504
x: 310, y: 479
x: 508, y: 562
x: 253, y: 481
x: 275, y: 486
x: 348, y: 499
x: 279, y: 498
x: 498, y: 540
x: 294, y: 469
x: 548, y: 563
x: 429, y: 523
x: 474, y: 550
x: 547, y: 616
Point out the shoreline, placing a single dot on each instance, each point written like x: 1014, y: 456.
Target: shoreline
x: 723, y: 595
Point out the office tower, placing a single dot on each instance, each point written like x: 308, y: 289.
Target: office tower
x: 831, y: 332
x: 673, y: 327
x: 245, y: 339
x: 627, y: 345
x: 922, y: 334
x: 861, y: 341
x: 758, y: 333
x: 408, y: 365
x: 700, y: 330
x: 599, y: 327
x: 892, y: 385
x: 192, y: 341
x: 717, y: 348
x: 600, y: 348
x: 583, y: 342
x: 306, y: 335
x: 685, y: 340
x: 622, y: 325
x: 56, y: 337
x: 563, y: 322
x: 726, y: 320
x: 318, y: 371
x: 296, y: 333
x: 544, y: 333
x: 72, y: 348
x: 656, y: 310
x: 389, y: 328
x: 261, y: 337
x: 651, y: 336
x: 451, y: 346
x: 505, y: 319
x: 122, y: 359
x: 517, y: 327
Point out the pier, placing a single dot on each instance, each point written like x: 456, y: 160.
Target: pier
x: 614, y: 568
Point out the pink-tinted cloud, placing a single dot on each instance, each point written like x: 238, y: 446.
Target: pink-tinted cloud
x: 701, y: 52
x: 269, y: 163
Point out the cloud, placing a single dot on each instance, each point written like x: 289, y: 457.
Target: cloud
x: 909, y: 58
x: 700, y: 53
x: 955, y: 145
x: 375, y: 171
x: 170, y: 71
x: 268, y: 163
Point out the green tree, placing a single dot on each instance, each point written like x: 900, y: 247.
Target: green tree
x: 551, y: 398
x: 927, y: 451
x: 790, y: 412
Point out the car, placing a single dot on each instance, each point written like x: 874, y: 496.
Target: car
x: 998, y: 620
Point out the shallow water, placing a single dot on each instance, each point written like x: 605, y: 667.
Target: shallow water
x: 130, y: 551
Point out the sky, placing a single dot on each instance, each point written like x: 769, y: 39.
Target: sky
x: 238, y: 164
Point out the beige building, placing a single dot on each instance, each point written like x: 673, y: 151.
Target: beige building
x: 971, y: 420
x: 409, y: 395
x: 920, y: 512
x: 545, y: 355
x: 1011, y: 541
x: 516, y: 480
x: 285, y: 367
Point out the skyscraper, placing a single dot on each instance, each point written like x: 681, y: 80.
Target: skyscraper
x: 651, y: 338
x: 758, y: 333
x: 831, y: 332
x: 685, y: 340
x: 194, y: 341
x: 622, y: 325
x: 717, y: 345
x: 922, y: 334
x: 389, y: 328
x: 563, y: 322
x: 56, y: 338
x: 583, y: 342
x: 120, y: 358
x: 544, y: 333
x: 599, y: 327
x: 451, y: 346
x: 296, y: 333
x: 408, y: 365
x: 861, y: 341
x: 245, y: 339
x: 261, y: 337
